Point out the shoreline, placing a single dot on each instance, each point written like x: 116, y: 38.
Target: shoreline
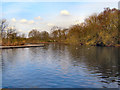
x: 22, y: 46
x: 42, y: 44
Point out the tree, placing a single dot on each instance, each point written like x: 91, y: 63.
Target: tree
x: 3, y: 26
x: 44, y: 36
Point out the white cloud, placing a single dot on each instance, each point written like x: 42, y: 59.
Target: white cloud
x: 31, y: 22
x: 69, y: 18
x: 23, y: 20
x: 22, y: 31
x: 38, y: 18
x: 50, y: 24
x: 13, y: 20
x: 26, y: 21
x: 64, y: 12
x: 77, y: 22
x: 10, y: 27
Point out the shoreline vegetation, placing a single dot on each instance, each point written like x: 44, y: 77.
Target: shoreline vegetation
x: 97, y: 30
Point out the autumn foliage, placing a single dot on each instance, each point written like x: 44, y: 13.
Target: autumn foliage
x: 98, y: 30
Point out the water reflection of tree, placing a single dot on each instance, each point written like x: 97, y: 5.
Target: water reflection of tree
x: 9, y: 55
x: 119, y: 66
x: 60, y: 55
x: 0, y: 68
x: 101, y: 60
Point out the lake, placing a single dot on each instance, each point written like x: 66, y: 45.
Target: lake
x: 61, y: 66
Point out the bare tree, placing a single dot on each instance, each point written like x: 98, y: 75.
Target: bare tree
x: 3, y: 25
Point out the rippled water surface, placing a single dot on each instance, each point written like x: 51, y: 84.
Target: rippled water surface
x: 60, y: 66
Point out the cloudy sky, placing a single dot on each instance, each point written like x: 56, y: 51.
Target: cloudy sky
x: 25, y: 16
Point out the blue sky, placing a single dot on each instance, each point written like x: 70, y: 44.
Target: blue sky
x: 26, y: 16
x: 30, y: 10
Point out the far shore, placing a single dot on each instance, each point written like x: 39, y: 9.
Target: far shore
x: 42, y: 44
x: 22, y: 46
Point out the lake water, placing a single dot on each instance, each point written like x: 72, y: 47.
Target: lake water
x: 60, y: 66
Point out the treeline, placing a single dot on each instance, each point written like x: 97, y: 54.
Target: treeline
x: 97, y: 30
x: 9, y: 35
x: 37, y: 36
